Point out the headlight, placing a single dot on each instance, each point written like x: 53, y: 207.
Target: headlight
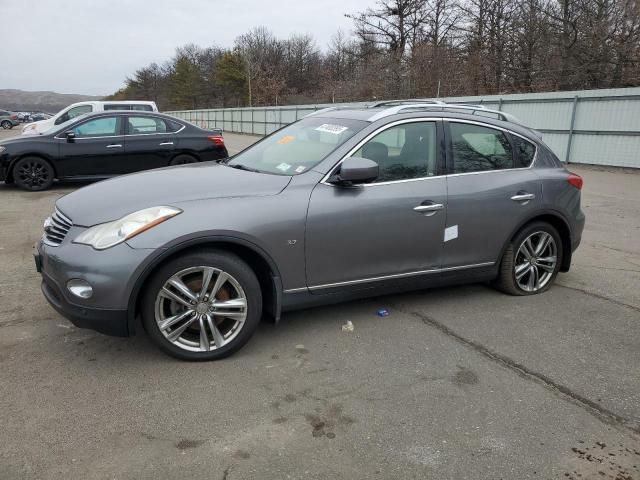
x: 107, y: 235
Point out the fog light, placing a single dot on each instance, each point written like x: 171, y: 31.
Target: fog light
x: 80, y: 288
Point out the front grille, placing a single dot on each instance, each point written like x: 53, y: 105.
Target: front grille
x: 56, y: 228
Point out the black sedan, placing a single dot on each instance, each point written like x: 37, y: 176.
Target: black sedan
x: 101, y: 145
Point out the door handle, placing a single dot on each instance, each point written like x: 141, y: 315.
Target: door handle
x: 523, y: 197
x: 114, y: 145
x: 166, y: 143
x: 430, y: 209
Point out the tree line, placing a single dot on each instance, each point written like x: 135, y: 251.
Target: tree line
x: 410, y: 48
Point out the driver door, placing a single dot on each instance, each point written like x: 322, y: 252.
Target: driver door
x: 96, y: 150
x: 392, y: 228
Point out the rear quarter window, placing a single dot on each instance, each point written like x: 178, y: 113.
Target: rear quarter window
x: 525, y: 152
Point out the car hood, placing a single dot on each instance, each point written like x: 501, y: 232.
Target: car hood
x: 174, y: 186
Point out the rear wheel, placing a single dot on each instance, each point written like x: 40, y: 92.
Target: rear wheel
x: 532, y: 260
x: 183, y: 160
x: 33, y: 174
x: 6, y: 124
x: 204, y: 305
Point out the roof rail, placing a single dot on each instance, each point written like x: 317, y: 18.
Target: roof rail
x: 322, y: 110
x: 399, y: 106
x: 391, y: 103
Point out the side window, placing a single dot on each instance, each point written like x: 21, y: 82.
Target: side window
x: 73, y: 113
x: 525, y: 151
x: 117, y: 106
x: 479, y: 149
x: 142, y: 108
x: 99, y: 127
x: 142, y: 125
x: 403, y: 152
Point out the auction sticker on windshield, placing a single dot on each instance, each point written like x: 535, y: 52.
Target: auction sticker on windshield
x: 328, y: 128
x: 284, y: 167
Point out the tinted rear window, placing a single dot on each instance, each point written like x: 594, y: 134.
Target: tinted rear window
x: 525, y: 152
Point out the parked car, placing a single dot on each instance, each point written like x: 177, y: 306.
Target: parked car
x: 100, y: 145
x: 8, y: 120
x: 81, y: 108
x: 36, y: 117
x: 342, y: 204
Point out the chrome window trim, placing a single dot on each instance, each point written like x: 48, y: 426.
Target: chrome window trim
x: 89, y: 138
x: 389, y: 277
x: 158, y: 133
x: 506, y: 130
x: 369, y: 137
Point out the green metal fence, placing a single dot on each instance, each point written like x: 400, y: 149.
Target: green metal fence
x: 599, y: 127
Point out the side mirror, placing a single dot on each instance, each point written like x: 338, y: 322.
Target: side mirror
x: 70, y: 135
x: 356, y: 170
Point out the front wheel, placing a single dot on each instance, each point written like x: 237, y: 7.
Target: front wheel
x: 33, y: 174
x: 7, y: 125
x: 204, y: 305
x: 532, y: 260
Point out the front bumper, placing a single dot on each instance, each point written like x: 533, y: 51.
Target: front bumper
x: 109, y: 272
x: 109, y: 322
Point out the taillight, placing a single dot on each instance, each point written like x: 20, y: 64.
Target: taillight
x: 217, y: 140
x: 575, y: 180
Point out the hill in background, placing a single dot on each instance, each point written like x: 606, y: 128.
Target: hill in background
x: 21, y: 101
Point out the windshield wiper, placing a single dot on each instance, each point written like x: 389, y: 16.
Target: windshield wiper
x: 239, y: 166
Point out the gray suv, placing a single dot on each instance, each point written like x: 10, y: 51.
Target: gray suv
x: 345, y: 203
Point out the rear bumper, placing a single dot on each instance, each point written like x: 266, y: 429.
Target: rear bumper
x: 109, y: 322
x: 578, y: 227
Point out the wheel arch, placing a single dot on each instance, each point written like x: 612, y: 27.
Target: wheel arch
x: 560, y: 223
x: 258, y: 260
x: 188, y: 153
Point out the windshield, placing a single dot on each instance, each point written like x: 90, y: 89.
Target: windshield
x: 62, y: 126
x: 298, y: 147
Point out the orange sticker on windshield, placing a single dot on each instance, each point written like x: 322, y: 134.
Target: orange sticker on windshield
x: 286, y: 139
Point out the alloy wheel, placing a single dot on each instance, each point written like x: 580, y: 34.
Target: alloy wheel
x: 200, y: 309
x: 6, y: 125
x: 535, y: 261
x: 33, y: 174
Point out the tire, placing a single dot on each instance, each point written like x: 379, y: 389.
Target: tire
x: 521, y: 274
x: 239, y: 285
x: 33, y: 174
x: 183, y: 160
x: 6, y: 124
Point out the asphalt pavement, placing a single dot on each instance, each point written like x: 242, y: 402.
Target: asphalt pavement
x: 456, y: 383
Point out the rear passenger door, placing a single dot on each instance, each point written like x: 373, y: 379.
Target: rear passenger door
x: 149, y: 142
x: 491, y: 191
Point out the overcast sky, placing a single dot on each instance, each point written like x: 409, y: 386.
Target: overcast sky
x: 90, y: 46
